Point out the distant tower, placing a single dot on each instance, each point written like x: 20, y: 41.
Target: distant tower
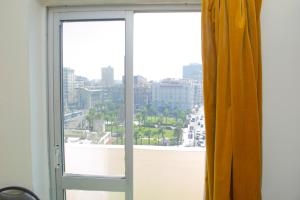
x: 107, y: 78
x: 68, y: 86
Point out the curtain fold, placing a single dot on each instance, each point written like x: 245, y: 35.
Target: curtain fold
x: 231, y: 54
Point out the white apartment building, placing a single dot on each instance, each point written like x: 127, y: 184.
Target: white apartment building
x: 173, y: 93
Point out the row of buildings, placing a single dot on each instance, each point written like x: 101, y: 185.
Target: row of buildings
x: 184, y: 93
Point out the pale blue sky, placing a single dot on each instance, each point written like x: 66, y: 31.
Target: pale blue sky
x: 163, y: 43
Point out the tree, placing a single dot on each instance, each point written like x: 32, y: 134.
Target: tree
x: 178, y: 133
x: 139, y: 117
x: 148, y: 134
x: 154, y: 112
x: 90, y: 117
x: 144, y: 114
x: 99, y: 107
x: 166, y: 114
x: 160, y: 120
x: 107, y: 118
x: 93, y: 114
x: 177, y: 114
x: 182, y: 116
x: 161, y: 132
x: 150, y: 109
x: 137, y: 134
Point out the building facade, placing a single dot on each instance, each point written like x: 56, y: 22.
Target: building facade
x: 194, y: 72
x: 142, y: 92
x: 68, y: 87
x: 173, y: 94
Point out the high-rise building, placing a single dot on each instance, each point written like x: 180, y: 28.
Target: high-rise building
x: 192, y: 71
x: 107, y: 77
x: 68, y: 87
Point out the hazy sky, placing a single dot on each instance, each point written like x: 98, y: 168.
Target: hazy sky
x: 163, y: 43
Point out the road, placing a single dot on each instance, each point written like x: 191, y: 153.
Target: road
x: 194, y: 134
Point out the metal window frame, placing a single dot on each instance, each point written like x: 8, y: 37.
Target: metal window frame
x: 56, y: 15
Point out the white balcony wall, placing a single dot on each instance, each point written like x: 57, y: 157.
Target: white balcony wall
x: 160, y: 173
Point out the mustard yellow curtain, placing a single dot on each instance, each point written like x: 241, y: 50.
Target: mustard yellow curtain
x: 232, y: 98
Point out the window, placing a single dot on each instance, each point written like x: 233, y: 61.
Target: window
x: 125, y: 103
x: 93, y: 100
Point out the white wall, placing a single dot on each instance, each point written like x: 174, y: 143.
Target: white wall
x: 23, y: 128
x: 281, y: 99
x: 15, y: 145
x: 38, y: 97
x: 23, y: 159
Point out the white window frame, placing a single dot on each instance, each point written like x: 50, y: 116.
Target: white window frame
x: 61, y: 181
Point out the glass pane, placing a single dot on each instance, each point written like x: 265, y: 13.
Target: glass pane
x: 94, y: 195
x: 93, y: 97
x: 169, y: 130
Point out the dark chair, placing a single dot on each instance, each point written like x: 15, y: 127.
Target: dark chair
x: 17, y: 193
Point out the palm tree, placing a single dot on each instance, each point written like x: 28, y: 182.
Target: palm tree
x: 182, y: 116
x: 177, y: 114
x: 149, y: 109
x: 161, y: 131
x: 139, y: 117
x: 93, y: 114
x: 90, y: 117
x: 99, y: 107
x: 160, y: 120
x: 166, y: 114
x: 98, y: 115
x: 144, y: 114
x: 148, y: 133
x: 107, y: 118
x: 111, y: 119
x: 154, y: 112
x: 178, y: 132
x: 137, y: 134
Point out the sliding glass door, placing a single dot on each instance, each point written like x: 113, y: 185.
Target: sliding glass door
x: 90, y: 84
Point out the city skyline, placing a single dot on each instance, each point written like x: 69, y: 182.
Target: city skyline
x: 183, y: 93
x: 109, y: 66
x: 90, y: 46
